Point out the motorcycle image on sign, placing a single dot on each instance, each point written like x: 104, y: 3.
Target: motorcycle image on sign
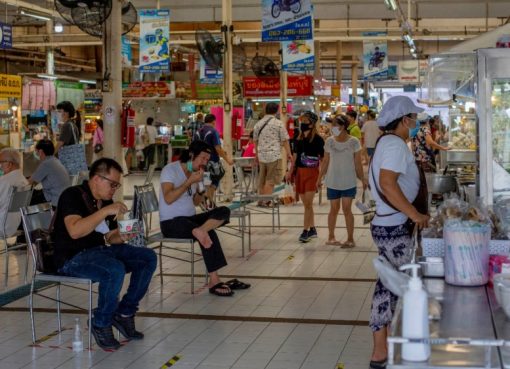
x: 285, y: 5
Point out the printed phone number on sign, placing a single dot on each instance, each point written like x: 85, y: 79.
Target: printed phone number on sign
x: 289, y: 32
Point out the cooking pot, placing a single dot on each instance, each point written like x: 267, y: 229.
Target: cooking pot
x: 438, y: 183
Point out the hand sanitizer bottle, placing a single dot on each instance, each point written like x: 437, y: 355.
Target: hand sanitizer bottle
x: 415, y: 317
x: 77, y: 337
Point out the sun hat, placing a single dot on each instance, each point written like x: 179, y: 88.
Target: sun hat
x: 396, y: 107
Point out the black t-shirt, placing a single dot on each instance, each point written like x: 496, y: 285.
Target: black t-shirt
x: 309, y: 153
x: 76, y: 200
x: 68, y: 132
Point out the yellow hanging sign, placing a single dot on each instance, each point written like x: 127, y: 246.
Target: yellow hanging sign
x: 10, y: 86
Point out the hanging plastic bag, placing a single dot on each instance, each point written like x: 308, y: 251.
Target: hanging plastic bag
x: 391, y: 278
x: 366, y: 206
x: 288, y: 194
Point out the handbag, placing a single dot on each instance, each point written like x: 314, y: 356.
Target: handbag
x: 44, y: 249
x: 367, y: 206
x: 73, y: 157
x: 98, y: 148
x: 136, y: 213
x: 216, y: 169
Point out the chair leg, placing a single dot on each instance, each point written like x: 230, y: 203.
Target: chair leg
x: 59, y: 317
x: 192, y: 267
x: 161, y: 264
x: 272, y: 216
x: 6, y: 264
x: 31, y: 307
x: 26, y: 264
x: 278, y: 212
x: 90, y: 315
x: 249, y: 231
x: 242, y: 229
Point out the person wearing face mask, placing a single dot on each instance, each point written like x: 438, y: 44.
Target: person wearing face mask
x: 400, y: 192
x: 341, y: 165
x: 69, y: 133
x: 50, y: 173
x: 304, y: 170
x: 180, y: 192
x: 424, y: 145
x: 11, y: 176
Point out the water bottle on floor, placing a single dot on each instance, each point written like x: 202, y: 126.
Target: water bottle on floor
x: 77, y: 337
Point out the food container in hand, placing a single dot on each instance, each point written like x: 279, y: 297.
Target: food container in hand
x: 466, y: 252
x: 128, y: 225
x: 502, y: 291
x: 431, y: 266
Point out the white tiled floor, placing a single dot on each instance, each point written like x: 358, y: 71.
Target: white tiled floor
x: 307, y: 308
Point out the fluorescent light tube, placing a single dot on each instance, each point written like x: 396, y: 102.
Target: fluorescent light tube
x: 391, y: 4
x: 47, y: 76
x: 30, y: 13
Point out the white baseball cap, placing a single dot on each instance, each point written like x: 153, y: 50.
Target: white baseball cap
x: 396, y: 107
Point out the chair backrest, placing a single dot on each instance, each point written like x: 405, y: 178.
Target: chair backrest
x: 150, y: 174
x: 36, y: 217
x: 148, y: 198
x: 20, y: 197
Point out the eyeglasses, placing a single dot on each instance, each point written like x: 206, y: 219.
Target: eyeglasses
x: 113, y: 185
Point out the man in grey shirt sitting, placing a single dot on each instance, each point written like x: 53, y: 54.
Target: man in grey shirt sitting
x: 50, y: 173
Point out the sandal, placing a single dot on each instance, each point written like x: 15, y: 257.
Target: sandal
x: 378, y: 364
x: 236, y: 284
x: 348, y: 245
x: 334, y: 243
x: 216, y: 290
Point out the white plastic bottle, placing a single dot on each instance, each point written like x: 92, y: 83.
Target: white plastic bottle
x: 415, y: 317
x: 77, y: 337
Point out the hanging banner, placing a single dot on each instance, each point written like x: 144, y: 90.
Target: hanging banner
x: 126, y: 52
x: 38, y: 94
x: 5, y: 36
x: 298, y: 55
x: 70, y: 91
x: 209, y: 75
x: 375, y: 57
x: 270, y: 86
x: 154, y: 38
x: 423, y: 69
x: 145, y: 90
x: 408, y: 71
x: 10, y: 86
x: 286, y: 20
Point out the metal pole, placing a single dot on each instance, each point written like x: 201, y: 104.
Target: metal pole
x: 112, y: 99
x: 283, y: 114
x: 226, y: 12
x: 339, y: 64
x: 50, y: 57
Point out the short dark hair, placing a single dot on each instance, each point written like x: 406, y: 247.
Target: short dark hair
x: 200, y: 116
x: 68, y: 107
x: 312, y: 116
x: 341, y: 120
x: 271, y: 108
x: 99, y: 122
x: 104, y: 166
x: 150, y: 120
x: 194, y: 149
x: 209, y: 118
x: 352, y: 114
x: 371, y: 114
x: 46, y: 146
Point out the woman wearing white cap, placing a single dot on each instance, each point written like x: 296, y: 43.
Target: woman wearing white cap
x: 400, y: 192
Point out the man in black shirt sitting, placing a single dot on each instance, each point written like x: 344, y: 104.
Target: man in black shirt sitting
x: 88, y: 244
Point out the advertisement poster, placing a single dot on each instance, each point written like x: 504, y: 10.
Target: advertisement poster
x: 270, y: 86
x: 154, y: 38
x: 375, y: 57
x: 126, y: 52
x: 209, y: 75
x: 5, y: 36
x: 10, y: 86
x: 287, y: 20
x: 408, y: 71
x: 160, y: 89
x: 298, y: 55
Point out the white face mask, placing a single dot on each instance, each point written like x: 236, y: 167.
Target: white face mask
x: 60, y: 117
x: 336, y: 131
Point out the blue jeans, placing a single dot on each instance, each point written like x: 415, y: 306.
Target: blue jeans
x: 108, y: 266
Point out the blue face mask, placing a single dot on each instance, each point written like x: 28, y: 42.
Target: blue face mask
x: 189, y: 166
x: 414, y: 131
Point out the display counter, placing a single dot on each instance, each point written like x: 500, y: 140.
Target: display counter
x: 468, y: 332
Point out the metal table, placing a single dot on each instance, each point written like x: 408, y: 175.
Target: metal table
x: 462, y: 337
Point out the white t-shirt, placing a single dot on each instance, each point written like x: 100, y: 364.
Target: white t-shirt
x: 341, y: 174
x: 183, y: 206
x: 152, y: 133
x: 14, y: 178
x: 393, y: 154
x: 371, y: 133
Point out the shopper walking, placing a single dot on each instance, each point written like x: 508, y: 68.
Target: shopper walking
x: 270, y: 135
x: 69, y: 133
x: 400, y: 193
x: 371, y: 133
x: 98, y: 141
x: 341, y: 165
x: 353, y: 128
x: 309, y: 151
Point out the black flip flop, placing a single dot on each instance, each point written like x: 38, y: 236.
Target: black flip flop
x: 215, y: 290
x: 378, y: 364
x: 236, y: 284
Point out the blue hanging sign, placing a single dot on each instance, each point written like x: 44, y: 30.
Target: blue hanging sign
x: 154, y: 39
x: 126, y: 52
x: 209, y: 75
x: 375, y: 57
x: 287, y: 20
x: 5, y: 36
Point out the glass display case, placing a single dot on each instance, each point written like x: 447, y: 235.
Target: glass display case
x: 494, y: 118
x: 462, y: 137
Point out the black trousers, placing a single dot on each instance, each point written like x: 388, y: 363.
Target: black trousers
x: 181, y: 227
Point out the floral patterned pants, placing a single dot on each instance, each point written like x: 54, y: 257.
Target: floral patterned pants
x: 395, y: 244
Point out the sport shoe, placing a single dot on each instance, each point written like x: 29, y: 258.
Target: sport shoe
x: 104, y: 338
x: 126, y: 326
x: 305, y: 237
x: 312, y: 233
